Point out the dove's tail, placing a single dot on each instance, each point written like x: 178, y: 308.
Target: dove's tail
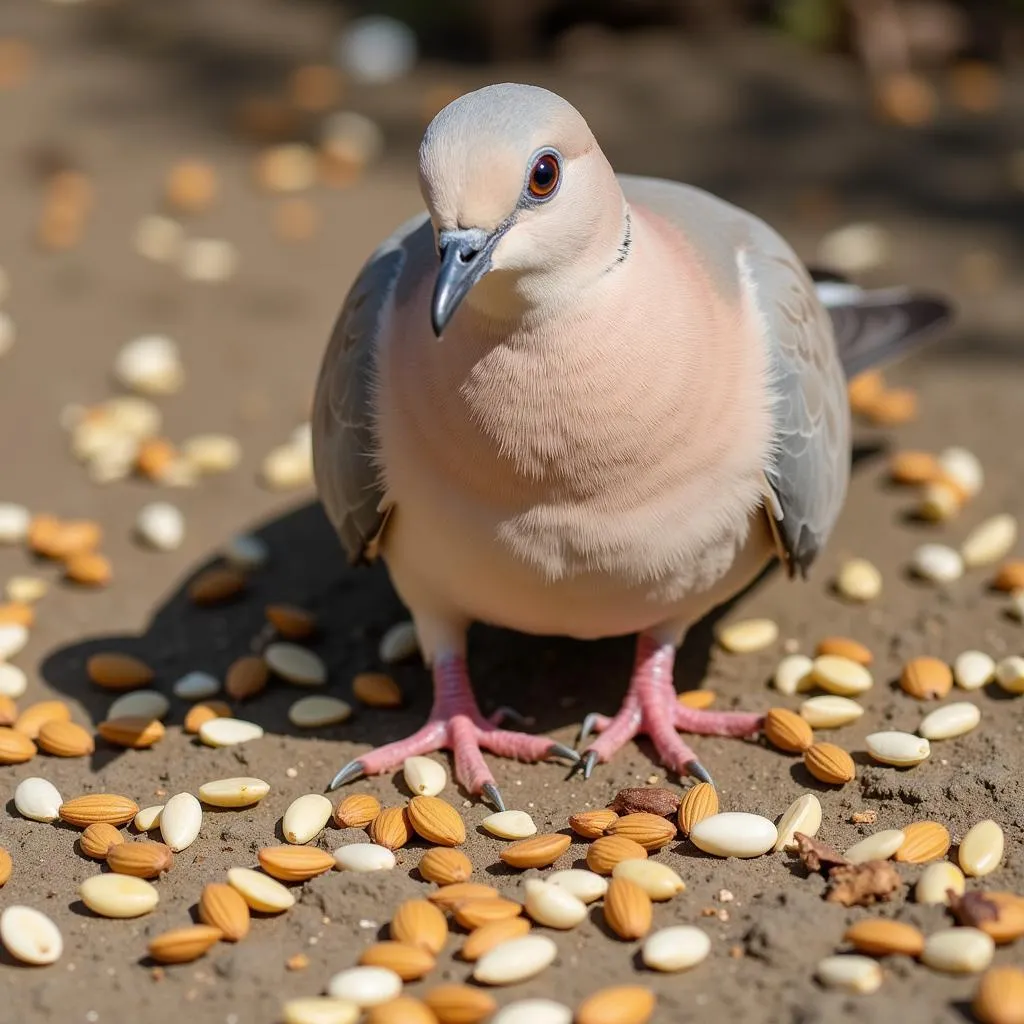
x: 876, y: 326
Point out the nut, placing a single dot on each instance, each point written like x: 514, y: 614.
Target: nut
x: 830, y: 764
x: 391, y: 828
x: 295, y: 863
x: 356, y: 811
x: 923, y: 841
x: 460, y: 1004
x: 95, y: 807
x: 15, y: 747
x: 205, y: 712
x: 1000, y: 996
x: 261, y: 892
x: 436, y: 821
x: 914, y: 468
x: 37, y: 799
x: 118, y: 671
x: 246, y: 677
x: 592, y: 824
x: 65, y: 739
x: 449, y: 895
x: 216, y: 586
x: 32, y: 719
x: 183, y: 945
x: 420, y: 923
x: 223, y: 907
x: 291, y: 622
x: 926, y: 678
x: 651, y: 831
x: 699, y: 802
x: 472, y: 913
x: 445, y: 866
x: 377, y: 690
x: 627, y: 909
x: 787, y: 730
x: 879, y: 937
x: 6, y: 866
x: 844, y: 647
x: 1010, y: 576
x: 537, y: 851
x: 748, y: 636
x: 409, y: 962
x: 89, y: 568
x: 132, y: 731
x: 624, y: 1004
x: 608, y: 851
x: 306, y: 817
x: 697, y: 699
x: 99, y: 839
x: 118, y: 895
x: 143, y: 859
x: 483, y: 939
x: 981, y: 849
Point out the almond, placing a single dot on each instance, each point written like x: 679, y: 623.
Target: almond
x: 15, y: 747
x: 8, y: 710
x: 154, y: 457
x: 1000, y: 996
x: 246, y: 677
x: 472, y: 914
x: 699, y: 802
x: 607, y: 851
x: 923, y: 841
x: 93, y: 807
x: 449, y: 895
x: 17, y: 613
x: 460, y: 1004
x: 391, y: 828
x: 926, y: 678
x: 651, y: 831
x: 118, y: 671
x: 627, y: 909
x: 592, y: 824
x: 291, y: 622
x: 31, y: 720
x: 1010, y: 577
x: 914, y: 468
x: 377, y: 690
x: 99, y: 839
x: 483, y: 939
x: 445, y: 866
x: 295, y: 863
x: 356, y: 811
x: 1008, y: 923
x: 216, y: 586
x: 132, y: 731
x: 420, y: 923
x: 410, y: 963
x: 65, y: 739
x: 223, y: 907
x: 52, y: 538
x: 6, y: 866
x: 830, y: 764
x: 200, y: 713
x: 143, y: 859
x: 182, y: 945
x: 624, y: 1004
x: 537, y: 851
x: 89, y: 568
x: 787, y: 730
x: 880, y: 937
x: 844, y: 647
x: 403, y: 1010
x: 697, y: 699
x: 436, y: 821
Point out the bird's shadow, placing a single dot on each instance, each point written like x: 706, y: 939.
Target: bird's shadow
x: 553, y: 680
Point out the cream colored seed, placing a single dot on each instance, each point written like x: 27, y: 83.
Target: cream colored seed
x: 426, y: 777
x: 940, y: 501
x: 364, y: 858
x: 533, y: 1011
x: 658, y: 880
x: 981, y: 850
x: 26, y: 589
x: 261, y: 892
x: 180, y: 821
x: 1015, y: 605
x: 989, y: 542
x: 306, y: 817
x: 675, y: 949
x: 161, y: 526
x: 830, y: 712
x: 950, y: 720
x: 14, y: 522
x: 734, y: 834
x: 140, y: 704
x: 859, y: 580
x: 552, y: 906
x: 936, y: 879
x: 286, y: 468
x: 802, y: 815
x: 150, y: 365
x: 196, y: 686
x: 365, y: 986
x: 227, y: 732
x: 295, y: 664
x: 958, y: 951
x: 963, y: 468
x: 748, y: 636
x: 586, y: 886
x: 937, y: 563
x: 13, y: 681
x: 148, y: 818
x: 30, y: 936
x: 851, y: 972
x: 13, y: 638
x: 841, y: 676
x: 973, y: 669
x: 37, y: 800
x: 212, y: 453
x: 793, y: 674
x: 515, y: 960
x: 510, y: 825
x: 320, y: 1010
x: 1010, y: 674
x: 318, y: 711
x: 878, y: 846
x: 235, y: 792
x: 902, y: 749
x: 398, y: 643
x: 118, y: 895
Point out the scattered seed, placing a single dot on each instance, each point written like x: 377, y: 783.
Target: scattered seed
x: 937, y: 880
x: 13, y: 681
x: 587, y: 886
x: 852, y: 973
x: 295, y: 664
x: 207, y: 259
x: 261, y: 892
x: 148, y: 818
x: 196, y: 686
x: 830, y: 764
x: 180, y: 821
x: 38, y: 800
x: 150, y: 365
x: 844, y: 647
x: 109, y: 807
x: 89, y: 569
x: 483, y: 939
x: 13, y: 638
x: 140, y: 704
x: 926, y: 678
x: 14, y: 523
x: 398, y: 643
x: 878, y: 846
x: 990, y: 541
x: 320, y: 1010
x: 319, y: 711
x: 803, y: 815
x: 227, y: 732
x: 377, y: 690
x: 902, y: 749
x: 830, y: 712
x: 1009, y: 674
x: 937, y: 563
x: 212, y: 453
x: 841, y: 676
x: 734, y: 834
x: 365, y: 986
x: 941, y: 500
x: 35, y: 716
x: 981, y: 849
x: 234, y: 792
x: 552, y: 906
x: 356, y: 811
x: 116, y: 895
x: 592, y: 824
x: 533, y: 1011
x: 161, y: 525
x: 958, y: 951
x: 675, y: 949
x: 1000, y: 996
x: 30, y: 936
x: 509, y: 824
x: 858, y: 580
x: 15, y: 747
x: 949, y: 721
x: 516, y: 960
x: 6, y: 867
x: 203, y: 712
x: 748, y: 636
x: 135, y: 733
x: 787, y: 731
x: 628, y: 1004
x: 306, y: 817
x: 964, y: 468
x: 424, y: 776
x: 286, y: 468
x: 914, y: 468
x: 364, y: 857
x: 216, y: 586
x: 26, y: 589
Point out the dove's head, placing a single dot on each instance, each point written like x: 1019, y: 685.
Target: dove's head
x: 523, y: 202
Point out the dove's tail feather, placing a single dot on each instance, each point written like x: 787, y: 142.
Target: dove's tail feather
x: 876, y: 326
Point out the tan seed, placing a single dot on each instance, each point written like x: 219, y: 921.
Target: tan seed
x: 914, y: 468
x: 787, y: 730
x: 99, y: 839
x: 420, y: 923
x: 627, y: 909
x: 89, y: 569
x: 926, y: 678
x: 436, y: 821
x: 483, y: 939
x: 217, y: 586
x: 923, y: 841
x: 118, y: 671
x: 936, y: 882
x: 699, y: 802
x: 198, y: 714
x: 222, y: 907
x: 592, y: 824
x: 1008, y: 924
x: 651, y: 831
x: 445, y: 866
x: 35, y: 716
x: 981, y: 849
x: 143, y: 859
x: 295, y: 863
x: 410, y: 963
x: 8, y: 711
x: 748, y: 636
x: 1010, y: 576
x: 472, y: 914
x: 460, y: 1004
x: 191, y: 186
x: 356, y: 811
x: 1000, y: 996
x: 697, y: 699
x: 6, y: 867
x: 607, y: 851
x: 448, y: 896
x: 830, y: 764
x: 537, y: 851
x: 183, y: 945
x: 624, y: 1004
x: 880, y: 937
x: 841, y: 676
x: 132, y: 731
x: 377, y: 690
x: 291, y: 622
x: 15, y: 747
x: 403, y: 1010
x: 95, y: 807
x: 246, y: 677
x: 391, y: 828
x: 261, y: 892
x: 17, y: 613
x: 844, y: 647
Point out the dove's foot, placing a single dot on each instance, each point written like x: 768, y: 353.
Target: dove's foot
x: 457, y: 724
x: 651, y: 707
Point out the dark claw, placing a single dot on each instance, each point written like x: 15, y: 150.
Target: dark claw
x: 492, y: 794
x: 352, y: 771
x: 587, y: 728
x: 561, y: 750
x: 699, y: 772
x: 588, y: 762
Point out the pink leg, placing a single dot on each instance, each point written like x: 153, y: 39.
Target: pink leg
x: 651, y: 707
x: 456, y: 723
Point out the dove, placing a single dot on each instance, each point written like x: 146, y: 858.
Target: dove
x: 564, y: 401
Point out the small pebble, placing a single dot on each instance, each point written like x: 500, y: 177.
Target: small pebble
x: 140, y: 704
x: 161, y: 526
x: 937, y: 563
x: 318, y: 711
x: 244, y: 551
x: 196, y: 686
x: 295, y: 664
x: 398, y: 643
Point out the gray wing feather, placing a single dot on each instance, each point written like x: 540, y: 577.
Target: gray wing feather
x: 344, y: 442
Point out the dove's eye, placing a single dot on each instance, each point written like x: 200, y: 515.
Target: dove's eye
x: 544, y: 176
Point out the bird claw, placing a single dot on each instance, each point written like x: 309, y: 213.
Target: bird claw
x: 349, y: 773
x: 588, y: 727
x: 490, y: 792
x: 563, y: 751
x: 697, y: 771
x: 587, y: 763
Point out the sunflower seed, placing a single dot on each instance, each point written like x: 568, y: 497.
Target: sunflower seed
x: 37, y: 800
x: 364, y: 857
x: 180, y: 821
x: 365, y: 986
x: 973, y: 669
x: 30, y: 936
x: 425, y: 777
x: 675, y: 949
x: 802, y: 815
x: 793, y: 674
x: 950, y: 720
x: 306, y: 818
x: 510, y: 825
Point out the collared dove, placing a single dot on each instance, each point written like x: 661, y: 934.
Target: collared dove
x: 603, y: 412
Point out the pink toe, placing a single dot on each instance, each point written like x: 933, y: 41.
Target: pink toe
x: 431, y: 737
x: 618, y: 731
x: 470, y: 767
x: 716, y: 723
x: 519, y: 746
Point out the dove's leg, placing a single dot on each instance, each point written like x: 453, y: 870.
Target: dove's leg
x: 457, y: 724
x: 651, y: 707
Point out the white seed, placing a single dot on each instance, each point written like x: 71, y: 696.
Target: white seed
x: 841, y: 676
x: 13, y: 681
x: 586, y: 886
x: 14, y: 522
x: 937, y: 563
x: 30, y: 936
x: 37, y: 799
x: 958, y: 950
x: 1010, y: 674
x: 552, y: 905
x: 878, y: 846
x: 973, y: 669
x: 320, y: 1010
x: 398, y: 643
x: 940, y: 501
x: 981, y: 850
x: 295, y: 664
x: 951, y: 720
x: 158, y: 238
x: 830, y: 712
x: 793, y: 674
x: 196, y: 686
x: 675, y: 949
x: 246, y: 551
x: 510, y: 825
x: 180, y: 821
x: 118, y: 895
x: 859, y: 580
x: 212, y: 453
x: 140, y: 704
x: 748, y: 636
x: 7, y: 333
x: 150, y: 365
x: 13, y: 638
x: 802, y: 815
x: 287, y: 467
x: 658, y: 880
x: 855, y: 247
x: 318, y: 711
x: 26, y: 589
x: 306, y: 817
x: 364, y: 857
x: 902, y: 749
x: 237, y: 792
x: 851, y: 973
x: 1015, y: 605
x: 989, y: 542
x: 936, y: 879
x: 133, y: 415
x: 160, y: 525
x: 365, y: 986
x: 516, y: 960
x: 226, y: 732
x: 427, y: 777
x: 357, y: 136
x: 735, y: 834
x: 208, y: 259
x: 261, y: 892
x: 964, y: 468
x: 533, y: 1011
x: 148, y: 818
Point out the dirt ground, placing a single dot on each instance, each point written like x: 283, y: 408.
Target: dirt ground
x: 792, y: 140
